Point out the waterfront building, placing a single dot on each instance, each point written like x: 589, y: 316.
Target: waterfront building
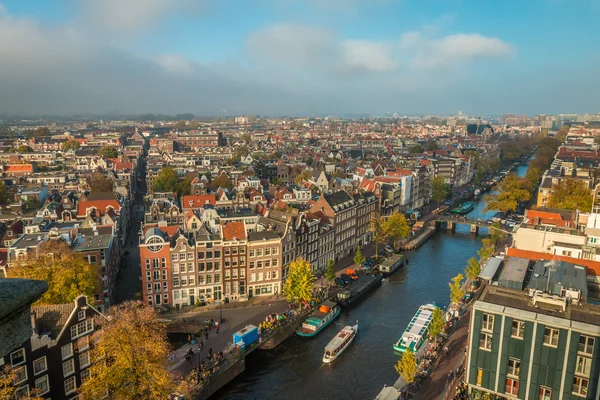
x: 264, y: 264
x: 235, y: 243
x: 340, y: 208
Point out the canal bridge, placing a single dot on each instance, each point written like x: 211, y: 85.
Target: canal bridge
x: 449, y: 222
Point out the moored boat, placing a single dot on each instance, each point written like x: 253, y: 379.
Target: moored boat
x: 415, y: 333
x: 339, y: 343
x: 464, y: 208
x: 319, y: 319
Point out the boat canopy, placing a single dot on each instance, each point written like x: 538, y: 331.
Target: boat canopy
x: 417, y: 327
x: 491, y: 268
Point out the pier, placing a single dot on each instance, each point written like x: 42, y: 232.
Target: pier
x: 421, y: 238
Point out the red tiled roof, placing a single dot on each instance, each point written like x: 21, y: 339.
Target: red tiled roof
x: 101, y: 205
x: 592, y: 267
x: 169, y: 229
x: 234, y: 230
x: 18, y: 168
x: 195, y: 201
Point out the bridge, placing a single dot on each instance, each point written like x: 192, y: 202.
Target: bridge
x: 449, y: 222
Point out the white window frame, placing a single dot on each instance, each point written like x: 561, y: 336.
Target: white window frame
x: 520, y: 329
x: 545, y: 393
x: 41, y: 379
x: 45, y: 365
x: 69, y: 347
x: 85, y: 356
x: 485, y: 337
x: 17, y: 371
x: 514, y: 367
x: 585, y: 361
x: 487, y: 322
x: 554, y: 334
x: 12, y: 361
x: 578, y: 390
x: 586, y: 345
x: 68, y: 382
x: 81, y: 315
x: 69, y: 364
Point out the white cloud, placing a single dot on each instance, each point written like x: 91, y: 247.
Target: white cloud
x: 426, y: 52
x: 175, y: 63
x: 370, y: 56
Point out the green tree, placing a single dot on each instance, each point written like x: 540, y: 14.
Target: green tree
x: 184, y: 186
x: 359, y: 259
x: 330, y: 271
x: 24, y: 149
x: 298, y: 284
x: 108, y: 152
x: 100, y: 183
x: 571, y: 194
x: 456, y: 290
x: 239, y: 153
x: 416, y: 149
x: 67, y: 272
x: 397, y: 227
x: 440, y: 190
x: 129, y: 356
x: 222, y: 181
x: 5, y: 195
x: 473, y: 268
x: 407, y: 366
x: 437, y: 323
x: 532, y: 176
x: 377, y: 228
x: 431, y: 145
x: 487, y: 249
x: 70, y: 144
x: 303, y: 176
x: 33, y: 204
x: 562, y: 133
x: 166, y: 181
x: 512, y: 192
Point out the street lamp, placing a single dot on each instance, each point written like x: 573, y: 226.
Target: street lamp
x: 221, y: 312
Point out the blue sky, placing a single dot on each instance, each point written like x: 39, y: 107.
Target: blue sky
x: 299, y: 57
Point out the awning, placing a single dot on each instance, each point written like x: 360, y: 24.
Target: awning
x: 491, y: 268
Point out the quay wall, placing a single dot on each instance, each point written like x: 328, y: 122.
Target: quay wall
x: 223, y: 379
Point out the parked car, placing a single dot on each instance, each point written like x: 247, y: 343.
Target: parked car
x: 346, y: 278
x: 339, y: 282
x: 382, y: 253
x: 352, y: 274
x: 448, y: 202
x: 388, y: 249
x: 371, y: 261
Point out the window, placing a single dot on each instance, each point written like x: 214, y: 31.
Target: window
x: 259, y: 252
x: 183, y: 280
x: 200, y: 279
x: 234, y: 251
x: 70, y: 385
x: 67, y: 350
x: 251, y: 265
x: 259, y: 264
x: 479, y: 376
x: 251, y: 253
x: 85, y: 374
x: 268, y: 251
x: 267, y: 263
x: 41, y: 385
x: 18, y: 357
x: 190, y: 256
x: 82, y: 328
x: 174, y: 257
x: 586, y: 344
x: 551, y: 337
x: 545, y: 393
x: 201, y: 267
x: 217, y: 278
x: 275, y: 251
x: 175, y: 281
x: 227, y: 251
x: 217, y: 265
x: 182, y: 269
x: 22, y: 392
x: 163, y: 263
x: 208, y: 279
x: 252, y: 277
x: 512, y: 386
x: 209, y: 254
x: 182, y: 257
x: 84, y: 359
x: 274, y: 274
x: 156, y: 275
x: 83, y: 343
x: 68, y: 367
x: 514, y: 367
x: 209, y: 266
x: 583, y: 366
x: 20, y: 374
x: 40, y: 365
x: 580, y: 386
x: 487, y: 323
x: 274, y: 262
x: 518, y: 329
x: 190, y: 280
x: 485, y: 341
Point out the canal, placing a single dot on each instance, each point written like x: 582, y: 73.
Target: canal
x: 295, y: 369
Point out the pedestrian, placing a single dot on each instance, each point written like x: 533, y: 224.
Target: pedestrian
x: 218, y: 329
x: 201, y: 345
x: 206, y: 335
x: 446, y: 350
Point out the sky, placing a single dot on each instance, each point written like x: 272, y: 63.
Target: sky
x: 300, y: 57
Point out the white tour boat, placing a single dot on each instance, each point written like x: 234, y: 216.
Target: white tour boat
x: 338, y: 344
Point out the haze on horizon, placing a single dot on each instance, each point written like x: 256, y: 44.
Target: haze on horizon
x: 274, y: 57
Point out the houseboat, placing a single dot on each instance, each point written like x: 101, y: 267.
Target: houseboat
x: 464, y: 208
x: 319, y: 319
x: 392, y: 264
x: 415, y: 333
x: 358, y: 290
x: 339, y: 343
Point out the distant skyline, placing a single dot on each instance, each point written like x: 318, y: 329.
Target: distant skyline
x: 299, y: 57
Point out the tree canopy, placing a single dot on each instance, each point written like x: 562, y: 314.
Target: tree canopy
x: 5, y: 195
x: 377, y: 227
x: 571, y: 194
x: 24, y: 149
x: 129, y: 356
x: 168, y: 181
x: 473, y: 268
x: 298, y: 284
x: 437, y: 323
x: 456, y: 290
x: 222, y: 181
x: 407, y: 366
x: 67, y: 272
x: 487, y: 248
x: 108, y: 152
x: 512, y: 192
x: 330, y: 271
x: 416, y: 149
x: 440, y: 190
x: 100, y: 183
x: 397, y: 227
x: 70, y: 144
x: 359, y: 259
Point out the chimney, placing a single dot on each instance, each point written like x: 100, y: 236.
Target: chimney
x: 34, y: 323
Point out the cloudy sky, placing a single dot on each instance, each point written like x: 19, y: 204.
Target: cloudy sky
x: 299, y: 57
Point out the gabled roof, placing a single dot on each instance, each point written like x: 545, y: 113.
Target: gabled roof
x: 197, y: 201
x: 52, y: 318
x: 101, y: 205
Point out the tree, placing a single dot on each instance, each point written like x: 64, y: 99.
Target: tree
x: 166, y: 181
x: 303, y: 176
x: 33, y: 204
x: 431, y: 145
x: 222, y: 181
x: 100, y: 183
x: 330, y: 271
x: 407, y: 366
x: 397, y: 227
x: 67, y: 272
x: 298, y: 284
x: 416, y: 149
x: 8, y: 390
x: 129, y: 356
x: 562, y: 133
x: 24, y: 149
x: 532, y: 176
x: 440, y: 190
x: 377, y: 227
x: 239, y: 153
x: 487, y: 249
x: 70, y: 144
x: 5, y: 195
x: 108, y: 152
x: 512, y: 192
x: 456, y: 290
x: 473, y: 268
x: 571, y: 194
x: 437, y: 323
x: 359, y: 259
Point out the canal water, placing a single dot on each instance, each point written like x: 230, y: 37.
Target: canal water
x: 295, y: 369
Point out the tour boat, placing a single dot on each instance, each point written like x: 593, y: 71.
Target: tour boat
x: 319, y: 319
x: 415, y: 333
x: 464, y: 208
x: 339, y: 343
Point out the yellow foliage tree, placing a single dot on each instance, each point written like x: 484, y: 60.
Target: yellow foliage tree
x: 377, y: 227
x: 298, y: 285
x: 7, y: 388
x: 67, y: 272
x: 129, y: 356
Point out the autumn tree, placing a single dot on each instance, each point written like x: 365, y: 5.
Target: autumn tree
x: 221, y: 181
x: 377, y: 228
x: 129, y: 356
x: 330, y: 271
x: 70, y: 144
x: 100, y: 183
x: 415, y: 149
x: 67, y: 272
x: 473, y: 268
x: 456, y: 290
x: 359, y: 259
x: 437, y: 323
x: 397, y: 227
x: 303, y: 176
x: 487, y: 249
x: 440, y: 190
x: 571, y: 194
x: 33, y: 204
x: 5, y: 195
x: 512, y: 192
x: 8, y: 390
x: 108, y: 152
x: 298, y: 284
x: 407, y: 366
x: 24, y: 149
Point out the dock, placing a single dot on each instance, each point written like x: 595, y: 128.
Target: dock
x: 364, y: 285
x: 418, y: 241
